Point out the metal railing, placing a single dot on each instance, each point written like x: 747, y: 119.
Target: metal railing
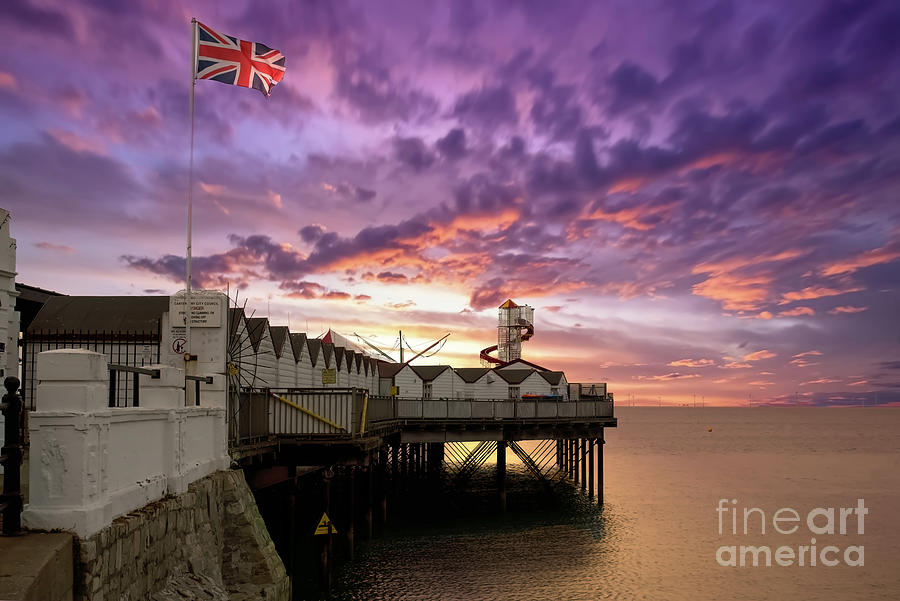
x: 390, y: 408
x: 133, y: 348
x: 136, y: 372
x: 11, y: 499
x: 197, y: 380
x: 350, y: 412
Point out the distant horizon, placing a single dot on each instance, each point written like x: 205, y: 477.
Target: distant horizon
x: 692, y: 195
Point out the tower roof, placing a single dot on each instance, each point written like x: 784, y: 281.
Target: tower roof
x: 509, y: 304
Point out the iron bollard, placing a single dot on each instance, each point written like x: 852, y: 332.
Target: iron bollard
x: 11, y: 499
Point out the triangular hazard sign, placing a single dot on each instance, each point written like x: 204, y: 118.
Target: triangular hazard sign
x: 325, y: 526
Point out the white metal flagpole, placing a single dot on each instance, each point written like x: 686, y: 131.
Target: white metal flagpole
x: 187, y: 279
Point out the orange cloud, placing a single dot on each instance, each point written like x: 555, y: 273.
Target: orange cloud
x: 848, y: 309
x: 75, y: 142
x: 692, y: 363
x: 627, y: 185
x: 811, y: 292
x: 808, y: 354
x: 8, y: 81
x: 274, y: 198
x: 797, y: 311
x: 735, y: 292
x: 885, y: 254
x: 631, y: 217
x: 736, y: 365
x: 821, y: 381
x: 758, y: 355
x: 730, y: 283
x: 212, y: 189
x: 668, y: 377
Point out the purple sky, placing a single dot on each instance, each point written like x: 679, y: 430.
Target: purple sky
x: 697, y: 197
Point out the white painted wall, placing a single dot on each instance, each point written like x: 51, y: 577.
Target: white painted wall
x: 442, y: 385
x: 265, y: 361
x: 98, y: 463
x: 490, y: 386
x: 409, y: 384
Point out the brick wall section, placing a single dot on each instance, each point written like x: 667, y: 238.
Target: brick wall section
x: 181, y: 546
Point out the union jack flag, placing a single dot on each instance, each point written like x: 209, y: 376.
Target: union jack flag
x: 237, y: 62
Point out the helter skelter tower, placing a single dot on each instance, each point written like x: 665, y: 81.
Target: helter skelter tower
x: 515, y: 326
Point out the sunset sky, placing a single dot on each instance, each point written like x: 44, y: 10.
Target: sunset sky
x: 696, y: 197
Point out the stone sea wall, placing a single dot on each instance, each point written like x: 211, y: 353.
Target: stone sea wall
x: 208, y: 543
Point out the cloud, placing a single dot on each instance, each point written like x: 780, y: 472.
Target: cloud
x: 886, y: 254
x: 413, y: 153
x: 736, y: 365
x: 487, y: 107
x: 692, y: 363
x: 669, y: 377
x: 796, y: 312
x: 60, y: 248
x: 453, y: 145
x: 759, y: 355
x: 847, y: 309
x: 813, y: 292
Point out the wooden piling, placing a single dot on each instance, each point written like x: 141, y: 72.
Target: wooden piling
x: 600, y: 442
x: 351, y: 503
x: 501, y: 474
x: 591, y: 443
x: 583, y: 443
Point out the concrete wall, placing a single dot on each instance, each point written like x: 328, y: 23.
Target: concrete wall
x: 90, y: 464
x: 209, y: 542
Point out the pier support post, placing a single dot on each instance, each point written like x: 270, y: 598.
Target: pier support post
x: 325, y: 555
x: 600, y: 442
x: 370, y: 494
x: 351, y: 501
x: 573, y: 468
x: 591, y: 443
x: 382, y: 486
x: 501, y: 474
x: 558, y: 453
x: 583, y: 443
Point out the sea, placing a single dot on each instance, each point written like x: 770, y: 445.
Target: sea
x: 678, y: 482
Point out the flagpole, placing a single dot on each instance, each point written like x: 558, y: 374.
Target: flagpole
x: 190, y: 207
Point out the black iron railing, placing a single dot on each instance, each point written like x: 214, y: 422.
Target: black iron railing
x: 197, y: 380
x: 115, y: 371
x: 11, y: 459
x: 134, y: 348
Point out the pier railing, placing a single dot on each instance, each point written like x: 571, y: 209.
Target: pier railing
x: 351, y: 412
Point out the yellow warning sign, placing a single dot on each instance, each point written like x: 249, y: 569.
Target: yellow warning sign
x: 325, y: 526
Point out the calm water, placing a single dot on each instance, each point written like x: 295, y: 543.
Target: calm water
x: 657, y: 535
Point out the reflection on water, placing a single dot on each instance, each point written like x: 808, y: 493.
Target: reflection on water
x: 657, y: 535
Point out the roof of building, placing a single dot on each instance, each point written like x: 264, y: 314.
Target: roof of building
x: 509, y: 304
x: 339, y: 355
x: 514, y: 376
x: 314, y: 346
x: 388, y: 370
x: 101, y: 313
x: 553, y: 377
x: 471, y: 374
x: 298, y: 343
x: 256, y: 327
x: 516, y: 362
x: 429, y: 372
x: 33, y: 293
x: 328, y: 354
x: 279, y: 336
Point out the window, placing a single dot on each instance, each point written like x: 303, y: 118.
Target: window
x: 554, y: 390
x: 426, y: 390
x: 514, y: 392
